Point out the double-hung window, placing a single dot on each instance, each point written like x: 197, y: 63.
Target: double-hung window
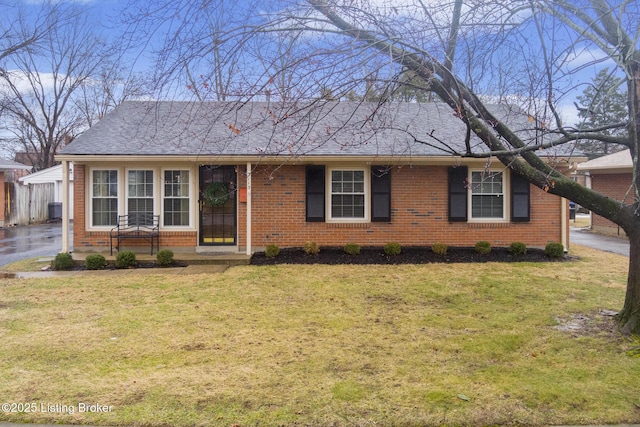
x: 176, y: 198
x: 348, y: 190
x: 140, y: 195
x: 487, y: 195
x: 104, y: 198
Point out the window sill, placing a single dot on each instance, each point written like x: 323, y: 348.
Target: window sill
x: 348, y: 224
x: 486, y: 224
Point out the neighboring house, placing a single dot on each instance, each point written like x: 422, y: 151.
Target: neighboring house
x: 52, y: 175
x: 611, y: 175
x: 240, y: 176
x: 7, y: 166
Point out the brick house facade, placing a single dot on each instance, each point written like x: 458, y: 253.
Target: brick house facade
x: 610, y: 175
x: 329, y: 195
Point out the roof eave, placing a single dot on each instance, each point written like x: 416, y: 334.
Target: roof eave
x: 266, y: 159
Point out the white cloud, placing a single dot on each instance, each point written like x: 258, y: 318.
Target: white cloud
x: 21, y: 81
x: 586, y: 57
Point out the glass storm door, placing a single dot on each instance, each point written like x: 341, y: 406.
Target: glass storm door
x: 217, y: 204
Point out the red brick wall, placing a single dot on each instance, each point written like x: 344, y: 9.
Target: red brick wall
x: 419, y: 214
x: 617, y: 187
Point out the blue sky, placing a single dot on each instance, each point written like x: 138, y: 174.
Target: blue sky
x: 105, y: 15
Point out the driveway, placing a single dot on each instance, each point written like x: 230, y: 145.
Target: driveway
x: 584, y: 237
x: 30, y: 241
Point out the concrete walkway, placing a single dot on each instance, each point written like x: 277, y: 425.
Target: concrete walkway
x: 189, y: 269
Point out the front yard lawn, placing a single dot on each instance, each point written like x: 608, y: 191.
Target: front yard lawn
x: 435, y: 344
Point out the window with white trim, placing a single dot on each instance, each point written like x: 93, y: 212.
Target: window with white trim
x: 104, y: 198
x: 487, y: 195
x: 348, y: 194
x: 140, y: 194
x: 176, y: 198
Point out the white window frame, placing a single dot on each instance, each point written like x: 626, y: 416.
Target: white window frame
x: 117, y: 197
x: 503, y: 196
x: 367, y: 194
x: 153, y: 190
x: 189, y: 196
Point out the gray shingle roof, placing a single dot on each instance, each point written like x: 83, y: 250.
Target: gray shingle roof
x: 143, y: 128
x: 619, y: 160
x: 11, y: 165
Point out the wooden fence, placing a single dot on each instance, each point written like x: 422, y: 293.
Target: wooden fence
x: 27, y: 204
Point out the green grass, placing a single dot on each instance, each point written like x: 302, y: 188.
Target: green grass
x: 315, y: 345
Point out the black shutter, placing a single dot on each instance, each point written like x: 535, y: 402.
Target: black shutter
x: 380, y: 194
x: 458, y: 193
x: 520, y: 198
x: 315, y: 193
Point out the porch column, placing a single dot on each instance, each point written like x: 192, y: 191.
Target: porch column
x: 249, y: 208
x: 564, y: 224
x: 65, y: 206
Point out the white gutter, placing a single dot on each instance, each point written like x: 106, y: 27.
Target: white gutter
x: 267, y: 159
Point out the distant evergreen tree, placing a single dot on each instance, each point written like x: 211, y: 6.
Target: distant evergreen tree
x: 602, y: 103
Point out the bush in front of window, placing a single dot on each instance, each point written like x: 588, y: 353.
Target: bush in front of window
x: 126, y: 259
x: 95, y: 262
x: 63, y: 261
x: 352, y: 248
x: 518, y: 248
x: 483, y: 247
x: 392, y: 249
x: 164, y: 257
x: 311, y: 248
x: 272, y: 251
x: 554, y: 250
x: 439, y: 248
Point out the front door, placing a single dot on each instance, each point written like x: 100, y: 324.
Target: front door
x: 217, y: 205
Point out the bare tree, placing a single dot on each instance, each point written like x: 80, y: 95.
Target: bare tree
x: 44, y: 92
x: 470, y: 53
x: 20, y: 30
x: 100, y: 94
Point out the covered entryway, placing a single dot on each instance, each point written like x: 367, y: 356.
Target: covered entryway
x: 217, y: 205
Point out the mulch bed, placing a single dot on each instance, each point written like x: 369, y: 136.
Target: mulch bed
x: 409, y: 255
x: 81, y: 266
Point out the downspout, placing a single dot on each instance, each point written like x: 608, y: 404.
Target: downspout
x: 65, y: 206
x: 249, y: 208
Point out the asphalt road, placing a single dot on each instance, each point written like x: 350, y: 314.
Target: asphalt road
x: 30, y: 241
x: 613, y: 244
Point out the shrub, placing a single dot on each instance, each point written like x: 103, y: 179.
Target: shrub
x: 125, y: 259
x: 63, y: 261
x: 439, y: 248
x: 483, y: 247
x: 554, y: 250
x: 164, y: 257
x: 518, y: 248
x: 311, y: 248
x: 352, y: 248
x: 95, y: 262
x: 272, y: 251
x: 392, y: 248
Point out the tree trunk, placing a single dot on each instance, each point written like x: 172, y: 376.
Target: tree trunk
x: 629, y: 317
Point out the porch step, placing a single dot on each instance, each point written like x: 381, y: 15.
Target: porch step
x: 227, y: 259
